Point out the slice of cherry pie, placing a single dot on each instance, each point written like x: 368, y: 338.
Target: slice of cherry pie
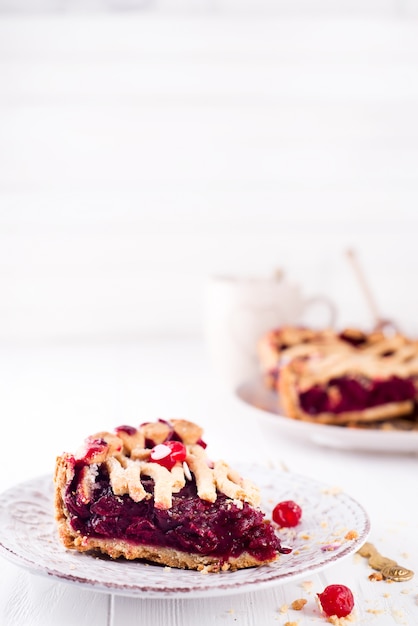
x: 152, y: 493
x: 378, y: 383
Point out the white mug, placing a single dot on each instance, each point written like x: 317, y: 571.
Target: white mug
x: 239, y: 310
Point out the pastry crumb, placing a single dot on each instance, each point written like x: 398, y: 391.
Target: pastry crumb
x: 340, y: 621
x: 290, y: 624
x: 307, y: 585
x: 284, y: 608
x: 332, y: 491
x: 297, y: 605
x: 375, y: 576
x: 398, y: 614
x: 352, y: 534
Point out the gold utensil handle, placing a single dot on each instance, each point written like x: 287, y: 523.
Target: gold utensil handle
x: 388, y: 567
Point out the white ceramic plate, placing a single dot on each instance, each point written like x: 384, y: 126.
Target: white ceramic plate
x: 267, y: 409
x: 28, y: 538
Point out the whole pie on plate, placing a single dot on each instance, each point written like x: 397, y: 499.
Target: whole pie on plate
x: 153, y: 493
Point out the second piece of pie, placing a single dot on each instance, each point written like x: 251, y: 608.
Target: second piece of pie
x: 359, y: 388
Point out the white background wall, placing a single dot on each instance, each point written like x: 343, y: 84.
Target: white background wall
x: 141, y: 152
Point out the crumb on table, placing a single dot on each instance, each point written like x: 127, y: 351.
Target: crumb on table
x: 297, y: 605
x: 340, y: 621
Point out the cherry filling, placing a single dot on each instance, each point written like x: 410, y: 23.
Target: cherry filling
x: 192, y: 525
x: 129, y: 430
x: 355, y: 394
x: 353, y: 339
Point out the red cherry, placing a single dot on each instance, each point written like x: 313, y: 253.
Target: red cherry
x: 287, y: 514
x: 336, y: 600
x: 168, y: 454
x: 178, y: 451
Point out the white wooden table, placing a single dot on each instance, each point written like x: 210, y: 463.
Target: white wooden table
x: 51, y: 397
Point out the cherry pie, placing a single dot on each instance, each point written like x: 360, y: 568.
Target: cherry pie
x: 152, y: 493
x: 365, y: 386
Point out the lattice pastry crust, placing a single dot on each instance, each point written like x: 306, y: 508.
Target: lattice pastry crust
x: 127, y: 459
x: 279, y: 346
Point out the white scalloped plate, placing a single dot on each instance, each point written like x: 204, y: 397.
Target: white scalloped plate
x: 28, y: 538
x: 266, y: 406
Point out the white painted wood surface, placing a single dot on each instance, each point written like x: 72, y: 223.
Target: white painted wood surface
x: 140, y: 153
x: 52, y: 396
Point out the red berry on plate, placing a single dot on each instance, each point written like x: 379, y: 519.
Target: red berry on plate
x: 168, y: 454
x: 287, y: 514
x: 336, y: 600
